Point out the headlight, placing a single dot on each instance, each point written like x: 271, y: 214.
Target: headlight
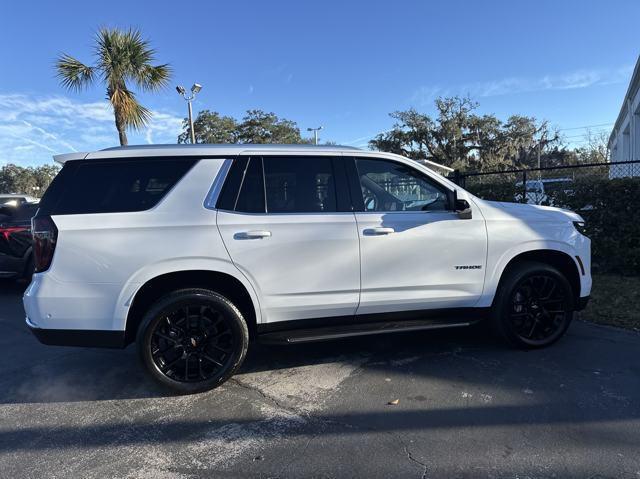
x: 581, y: 227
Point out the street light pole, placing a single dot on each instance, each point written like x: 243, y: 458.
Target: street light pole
x: 193, y: 134
x: 315, y: 133
x: 195, y: 89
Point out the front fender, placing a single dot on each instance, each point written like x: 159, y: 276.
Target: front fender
x: 496, y: 268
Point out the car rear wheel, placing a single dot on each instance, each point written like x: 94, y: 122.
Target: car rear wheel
x: 534, y: 306
x: 193, y: 340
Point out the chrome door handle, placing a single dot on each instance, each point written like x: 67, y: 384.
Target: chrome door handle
x: 378, y: 231
x: 255, y: 234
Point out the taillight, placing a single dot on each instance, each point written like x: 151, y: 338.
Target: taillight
x: 45, y: 234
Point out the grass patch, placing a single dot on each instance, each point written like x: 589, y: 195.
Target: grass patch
x: 615, y: 300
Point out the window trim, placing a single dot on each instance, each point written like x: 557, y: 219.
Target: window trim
x: 235, y: 162
x: 355, y: 187
x: 211, y: 199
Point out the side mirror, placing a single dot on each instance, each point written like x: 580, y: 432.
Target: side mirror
x: 462, y: 207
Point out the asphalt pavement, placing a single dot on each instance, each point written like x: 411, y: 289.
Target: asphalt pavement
x: 466, y: 407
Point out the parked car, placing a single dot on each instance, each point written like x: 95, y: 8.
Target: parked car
x: 540, y: 192
x: 16, y: 253
x: 16, y: 200
x: 190, y: 251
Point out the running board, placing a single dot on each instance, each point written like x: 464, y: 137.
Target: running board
x: 353, y: 330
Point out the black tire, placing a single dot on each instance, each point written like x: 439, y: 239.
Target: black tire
x: 192, y: 340
x: 533, y: 307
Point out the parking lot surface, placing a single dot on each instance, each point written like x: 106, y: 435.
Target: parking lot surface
x: 466, y: 407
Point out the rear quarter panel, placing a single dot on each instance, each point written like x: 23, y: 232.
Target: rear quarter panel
x: 101, y: 260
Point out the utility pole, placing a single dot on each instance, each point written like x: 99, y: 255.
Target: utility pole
x: 315, y: 133
x: 195, y: 89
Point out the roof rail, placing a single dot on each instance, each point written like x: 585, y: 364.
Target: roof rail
x: 246, y: 146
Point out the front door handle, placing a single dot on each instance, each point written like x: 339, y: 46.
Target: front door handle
x: 378, y: 231
x: 255, y: 234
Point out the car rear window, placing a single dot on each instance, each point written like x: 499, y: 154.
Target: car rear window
x: 84, y: 187
x: 25, y: 212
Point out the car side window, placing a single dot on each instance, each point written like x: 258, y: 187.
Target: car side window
x: 299, y: 184
x: 251, y: 196
x: 392, y: 186
x: 114, y: 186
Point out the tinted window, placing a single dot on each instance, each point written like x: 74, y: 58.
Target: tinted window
x: 251, y: 196
x: 390, y: 186
x: 113, y: 186
x: 25, y: 212
x: 299, y: 184
x: 229, y: 192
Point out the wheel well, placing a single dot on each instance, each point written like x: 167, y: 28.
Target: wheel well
x: 159, y: 286
x: 559, y: 260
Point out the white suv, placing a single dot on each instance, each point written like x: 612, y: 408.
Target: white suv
x: 190, y: 251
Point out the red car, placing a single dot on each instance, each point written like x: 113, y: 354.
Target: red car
x: 16, y: 259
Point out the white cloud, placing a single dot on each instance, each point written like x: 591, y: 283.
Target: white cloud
x: 33, y: 128
x: 424, y: 95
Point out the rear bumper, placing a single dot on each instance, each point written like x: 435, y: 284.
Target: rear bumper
x: 54, y: 305
x: 77, y: 337
x: 582, y: 303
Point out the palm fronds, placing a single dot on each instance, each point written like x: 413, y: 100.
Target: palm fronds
x: 130, y: 111
x: 121, y: 57
x: 73, y: 74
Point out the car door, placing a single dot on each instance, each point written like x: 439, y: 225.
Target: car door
x: 416, y: 251
x: 292, y: 233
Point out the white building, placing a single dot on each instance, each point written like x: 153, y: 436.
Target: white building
x: 624, y: 142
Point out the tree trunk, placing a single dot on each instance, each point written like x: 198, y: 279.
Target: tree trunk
x: 122, y: 133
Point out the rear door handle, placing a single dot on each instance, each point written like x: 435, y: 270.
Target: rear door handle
x: 254, y: 234
x: 378, y: 231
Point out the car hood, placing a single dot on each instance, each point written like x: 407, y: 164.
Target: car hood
x: 532, y: 212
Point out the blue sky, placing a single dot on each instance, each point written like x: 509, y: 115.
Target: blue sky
x: 341, y: 64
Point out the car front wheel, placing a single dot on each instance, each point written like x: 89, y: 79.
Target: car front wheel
x: 534, y: 306
x: 193, y: 340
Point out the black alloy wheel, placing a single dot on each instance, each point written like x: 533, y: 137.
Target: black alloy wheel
x: 539, y: 309
x: 193, y: 340
x: 534, y: 306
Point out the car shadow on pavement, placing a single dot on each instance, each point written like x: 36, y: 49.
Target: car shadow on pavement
x: 48, y: 374
x: 471, y: 359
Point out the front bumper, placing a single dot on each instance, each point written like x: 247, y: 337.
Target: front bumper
x: 77, y: 337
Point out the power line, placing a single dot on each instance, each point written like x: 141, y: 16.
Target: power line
x: 582, y: 135
x: 585, y: 126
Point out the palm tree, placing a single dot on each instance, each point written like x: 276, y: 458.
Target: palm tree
x: 121, y: 57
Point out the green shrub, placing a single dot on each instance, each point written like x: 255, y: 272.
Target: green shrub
x: 610, y: 207
x: 503, y: 190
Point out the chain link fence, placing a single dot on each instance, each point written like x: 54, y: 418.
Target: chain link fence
x: 606, y: 195
x: 540, y: 185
